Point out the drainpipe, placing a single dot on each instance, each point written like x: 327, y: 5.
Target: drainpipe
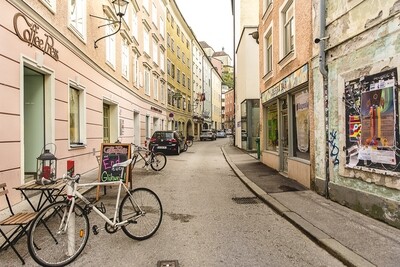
x: 324, y: 72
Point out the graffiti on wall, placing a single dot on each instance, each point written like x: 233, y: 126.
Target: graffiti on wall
x: 372, y: 124
x: 334, y: 148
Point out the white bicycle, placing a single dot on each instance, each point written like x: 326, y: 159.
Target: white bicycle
x: 60, y: 231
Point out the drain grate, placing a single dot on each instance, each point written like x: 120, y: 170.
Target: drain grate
x: 168, y: 263
x: 246, y: 200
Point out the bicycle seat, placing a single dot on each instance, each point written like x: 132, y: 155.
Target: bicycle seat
x: 122, y: 164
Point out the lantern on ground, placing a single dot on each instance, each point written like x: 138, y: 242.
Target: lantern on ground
x: 46, y: 168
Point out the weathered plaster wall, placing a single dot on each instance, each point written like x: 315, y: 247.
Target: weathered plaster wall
x: 364, y: 39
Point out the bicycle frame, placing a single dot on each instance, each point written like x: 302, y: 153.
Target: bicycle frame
x: 72, y: 193
x: 139, y: 152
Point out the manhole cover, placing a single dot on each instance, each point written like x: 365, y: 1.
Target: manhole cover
x: 246, y: 200
x: 173, y: 263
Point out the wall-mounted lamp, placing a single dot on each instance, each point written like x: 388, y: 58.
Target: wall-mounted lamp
x: 255, y: 35
x: 120, y: 7
x: 319, y: 39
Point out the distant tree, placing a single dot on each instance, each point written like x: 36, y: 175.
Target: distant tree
x: 227, y: 79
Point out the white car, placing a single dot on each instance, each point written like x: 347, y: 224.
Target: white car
x: 207, y: 135
x: 221, y: 134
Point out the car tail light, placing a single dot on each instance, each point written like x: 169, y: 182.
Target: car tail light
x: 152, y: 139
x: 173, y: 140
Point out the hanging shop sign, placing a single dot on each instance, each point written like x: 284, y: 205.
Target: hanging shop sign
x: 296, y: 78
x: 156, y: 109
x: 29, y: 32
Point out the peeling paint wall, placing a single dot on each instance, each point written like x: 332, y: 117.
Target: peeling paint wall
x: 364, y: 39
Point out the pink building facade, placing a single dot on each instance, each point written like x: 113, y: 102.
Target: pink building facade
x: 60, y: 92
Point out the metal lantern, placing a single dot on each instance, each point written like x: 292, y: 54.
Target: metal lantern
x: 46, y: 167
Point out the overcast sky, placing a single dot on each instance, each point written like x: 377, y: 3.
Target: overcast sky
x: 211, y: 21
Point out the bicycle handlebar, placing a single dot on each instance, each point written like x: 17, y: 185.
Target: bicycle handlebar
x: 75, y: 178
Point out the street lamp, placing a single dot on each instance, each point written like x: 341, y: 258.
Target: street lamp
x: 120, y: 7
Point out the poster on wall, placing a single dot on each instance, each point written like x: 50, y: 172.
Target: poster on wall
x: 302, y: 124
x: 372, y: 127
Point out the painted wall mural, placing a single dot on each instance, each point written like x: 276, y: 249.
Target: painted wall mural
x: 372, y: 121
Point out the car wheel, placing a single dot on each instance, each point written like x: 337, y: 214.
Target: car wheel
x: 178, y: 150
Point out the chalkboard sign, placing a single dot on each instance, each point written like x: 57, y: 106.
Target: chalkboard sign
x: 109, y: 155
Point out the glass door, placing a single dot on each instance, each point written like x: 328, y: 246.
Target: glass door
x: 106, y: 123
x: 284, y: 136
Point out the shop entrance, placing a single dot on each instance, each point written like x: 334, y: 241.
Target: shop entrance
x: 34, y: 120
x: 284, y: 135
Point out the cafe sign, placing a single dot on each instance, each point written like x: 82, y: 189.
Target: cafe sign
x: 29, y: 33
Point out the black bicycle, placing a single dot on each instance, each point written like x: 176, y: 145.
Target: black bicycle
x: 156, y: 160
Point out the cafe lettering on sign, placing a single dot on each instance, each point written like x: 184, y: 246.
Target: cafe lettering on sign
x: 110, y: 154
x: 29, y: 33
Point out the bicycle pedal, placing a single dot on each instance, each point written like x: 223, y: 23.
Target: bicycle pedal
x: 95, y: 229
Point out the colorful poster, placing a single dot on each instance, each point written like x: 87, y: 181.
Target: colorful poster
x: 378, y: 118
x: 372, y: 122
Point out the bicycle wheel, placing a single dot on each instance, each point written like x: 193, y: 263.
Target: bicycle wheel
x: 143, y: 211
x: 158, y: 161
x: 189, y: 143
x: 48, y: 244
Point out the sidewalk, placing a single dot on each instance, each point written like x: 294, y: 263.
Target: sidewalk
x: 355, y: 239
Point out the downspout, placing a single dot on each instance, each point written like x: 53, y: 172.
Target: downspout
x: 234, y: 72
x: 324, y: 72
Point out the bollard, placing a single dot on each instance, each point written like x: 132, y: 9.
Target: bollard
x: 258, y: 147
x: 70, y: 167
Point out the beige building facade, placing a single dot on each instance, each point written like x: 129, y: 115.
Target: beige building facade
x: 285, y: 31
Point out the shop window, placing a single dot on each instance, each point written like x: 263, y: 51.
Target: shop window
x: 76, y: 116
x: 301, y: 125
x: 272, y: 128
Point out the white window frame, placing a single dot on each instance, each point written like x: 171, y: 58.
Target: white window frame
x: 125, y: 59
x: 146, y: 79
x: 110, y: 46
x: 162, y: 27
x: 162, y: 92
x: 136, y: 70
x: 155, y: 51
x: 267, y: 4
x: 135, y: 24
x: 268, y: 70
x: 154, y: 14
x: 162, y: 61
x: 146, y: 5
x: 286, y: 58
x: 155, y: 87
x: 50, y: 4
x: 81, y: 116
x: 77, y: 18
x: 146, y: 41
